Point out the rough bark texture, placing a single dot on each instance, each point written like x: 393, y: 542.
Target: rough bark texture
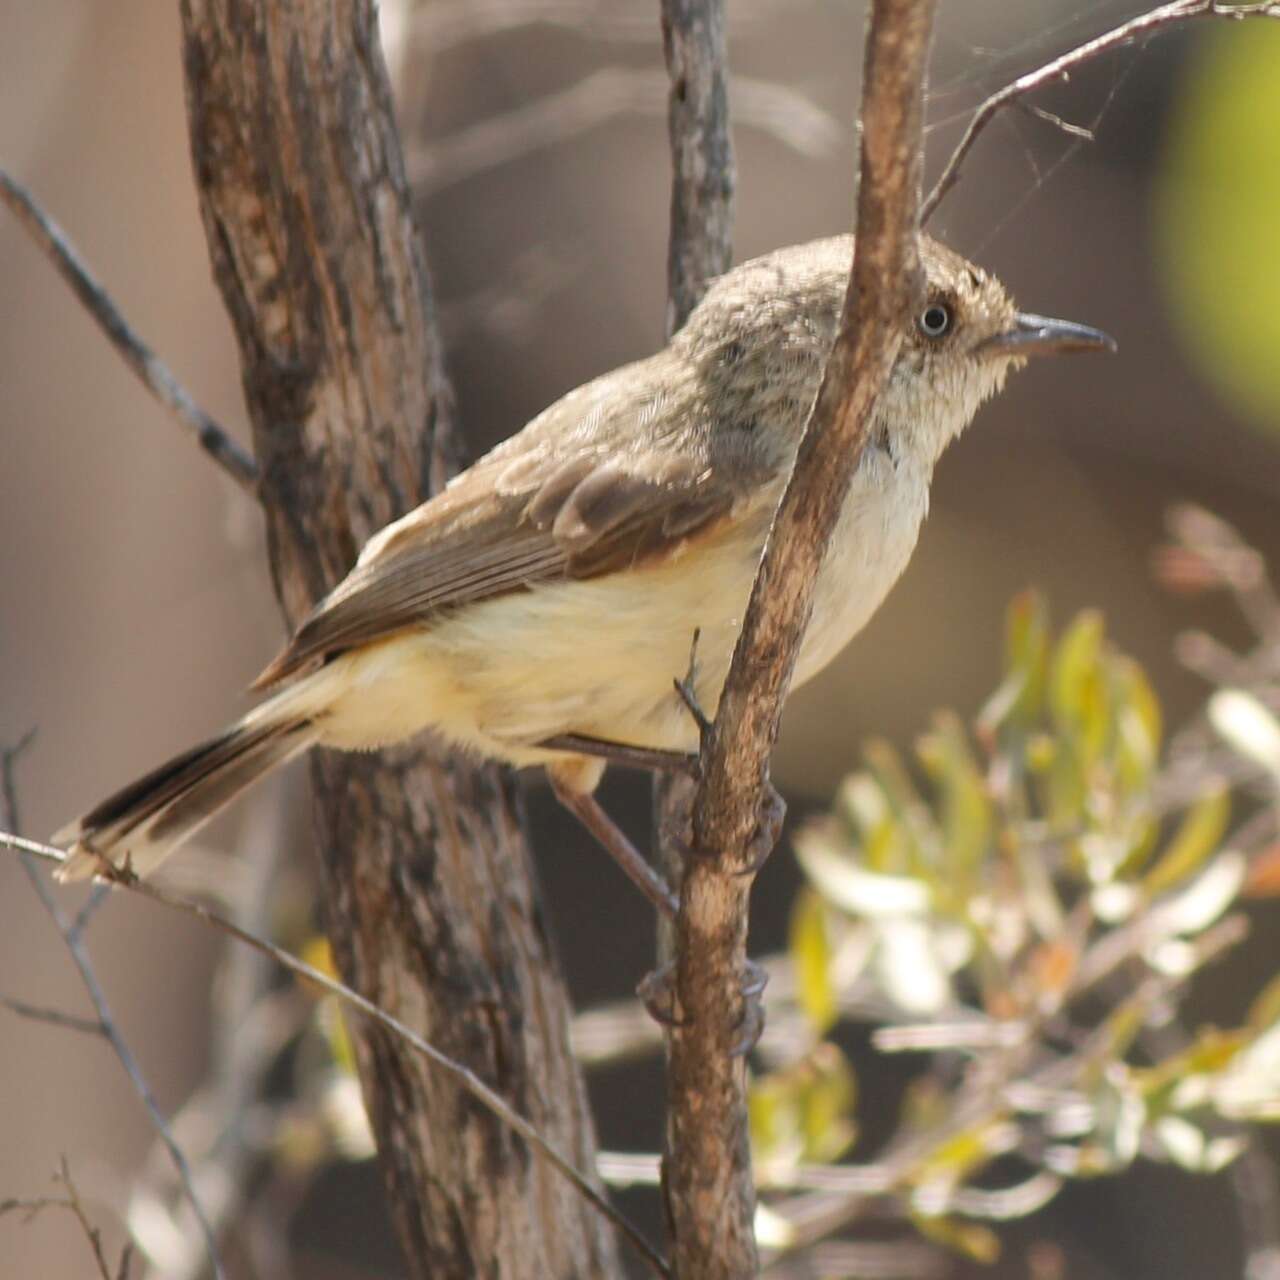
x: 702, y: 178
x: 429, y: 897
x: 707, y: 1180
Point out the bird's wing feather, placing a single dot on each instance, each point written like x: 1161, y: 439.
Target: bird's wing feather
x: 580, y: 492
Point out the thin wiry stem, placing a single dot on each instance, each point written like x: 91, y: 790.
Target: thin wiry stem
x: 154, y: 374
x: 97, y: 997
x: 55, y: 1017
x: 1159, y: 19
x: 472, y: 1083
x: 71, y: 1201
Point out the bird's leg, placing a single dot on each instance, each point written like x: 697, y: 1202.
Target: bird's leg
x: 654, y: 758
x: 587, y: 809
x: 687, y: 689
x: 772, y: 807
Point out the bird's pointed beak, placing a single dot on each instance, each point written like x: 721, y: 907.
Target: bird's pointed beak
x: 1041, y: 336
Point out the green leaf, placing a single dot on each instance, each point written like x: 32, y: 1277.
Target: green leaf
x: 1211, y: 1052
x: 865, y: 808
x: 827, y: 1105
x: 1026, y: 640
x: 969, y: 1239
x: 965, y: 805
x: 811, y: 955
x: 916, y: 822
x: 1264, y: 1012
x: 1198, y: 836
x: 766, y: 1113
x: 1065, y: 786
x: 1142, y: 834
x: 1138, y: 725
x: 804, y: 1111
x: 1076, y: 671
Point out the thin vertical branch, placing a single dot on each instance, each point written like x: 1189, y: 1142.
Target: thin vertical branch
x: 708, y: 1178
x: 702, y: 180
x: 700, y: 247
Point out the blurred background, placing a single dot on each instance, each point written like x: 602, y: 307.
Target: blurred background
x: 134, y: 599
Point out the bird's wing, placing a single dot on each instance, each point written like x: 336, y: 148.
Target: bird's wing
x: 586, y: 489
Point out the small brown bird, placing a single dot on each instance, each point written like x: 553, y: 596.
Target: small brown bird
x: 539, y: 609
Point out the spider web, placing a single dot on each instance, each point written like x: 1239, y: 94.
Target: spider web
x: 1046, y: 140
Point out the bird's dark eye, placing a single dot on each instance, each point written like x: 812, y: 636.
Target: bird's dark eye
x: 935, y: 320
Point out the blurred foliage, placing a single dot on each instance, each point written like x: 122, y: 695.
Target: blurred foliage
x: 1217, y: 204
x: 1024, y: 903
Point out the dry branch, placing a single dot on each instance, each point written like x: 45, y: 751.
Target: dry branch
x: 71, y: 1201
x: 467, y: 1079
x: 105, y: 1021
x: 154, y: 374
x: 707, y: 1140
x: 707, y: 1175
x: 1160, y: 19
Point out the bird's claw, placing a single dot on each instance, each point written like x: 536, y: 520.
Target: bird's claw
x: 760, y: 844
x: 764, y: 839
x: 658, y: 995
x: 657, y: 992
x: 751, y: 1024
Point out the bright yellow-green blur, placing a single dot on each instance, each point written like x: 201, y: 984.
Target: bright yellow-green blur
x: 1219, y: 215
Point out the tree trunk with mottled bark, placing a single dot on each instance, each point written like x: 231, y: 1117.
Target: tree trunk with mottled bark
x: 429, y: 896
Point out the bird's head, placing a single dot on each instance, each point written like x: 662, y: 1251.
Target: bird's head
x: 962, y: 339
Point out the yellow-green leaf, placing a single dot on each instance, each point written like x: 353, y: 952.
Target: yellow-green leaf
x: 1138, y: 724
x: 1264, y: 1012
x: 811, y: 955
x: 969, y: 1239
x: 965, y: 807
x: 1075, y: 669
x: 1027, y: 651
x: 1197, y: 837
x: 828, y: 1104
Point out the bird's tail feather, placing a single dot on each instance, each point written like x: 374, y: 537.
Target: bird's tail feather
x: 143, y: 823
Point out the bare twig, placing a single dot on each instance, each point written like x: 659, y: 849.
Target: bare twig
x: 287, y: 960
x: 1159, y: 19
x: 154, y: 374
x: 786, y: 115
x: 71, y: 1201
x: 97, y: 997
x: 92, y: 1234
x: 55, y: 1017
x: 252, y: 1021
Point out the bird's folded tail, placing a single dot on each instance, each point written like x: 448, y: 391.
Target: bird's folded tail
x: 142, y: 824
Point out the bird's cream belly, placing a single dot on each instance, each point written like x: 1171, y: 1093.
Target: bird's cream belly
x: 600, y: 657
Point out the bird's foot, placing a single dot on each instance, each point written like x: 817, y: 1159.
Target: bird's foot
x: 658, y: 995
x: 760, y: 844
